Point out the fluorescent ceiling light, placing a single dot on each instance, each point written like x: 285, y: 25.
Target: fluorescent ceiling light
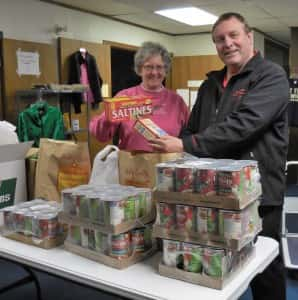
x: 189, y: 15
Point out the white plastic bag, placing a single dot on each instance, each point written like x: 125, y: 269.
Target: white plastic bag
x: 105, y: 166
x: 7, y: 133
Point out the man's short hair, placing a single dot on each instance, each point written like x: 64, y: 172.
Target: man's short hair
x: 228, y: 16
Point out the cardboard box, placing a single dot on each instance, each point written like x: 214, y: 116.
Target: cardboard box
x: 148, y: 129
x: 127, y: 108
x: 12, y: 173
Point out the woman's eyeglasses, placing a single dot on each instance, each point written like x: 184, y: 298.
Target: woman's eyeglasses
x: 150, y: 68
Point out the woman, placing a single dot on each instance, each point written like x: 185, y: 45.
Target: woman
x: 152, y: 63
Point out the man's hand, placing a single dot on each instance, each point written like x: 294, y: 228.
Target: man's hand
x: 167, y: 143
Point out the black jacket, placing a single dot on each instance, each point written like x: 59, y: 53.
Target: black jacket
x: 74, y: 75
x: 246, y: 120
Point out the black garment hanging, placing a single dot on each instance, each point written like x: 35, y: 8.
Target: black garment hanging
x: 74, y: 76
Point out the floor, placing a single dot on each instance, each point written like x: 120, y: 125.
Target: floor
x: 292, y: 288
x: 52, y: 288
x: 59, y: 289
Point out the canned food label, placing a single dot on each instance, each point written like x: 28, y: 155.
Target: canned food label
x: 184, y: 179
x: 167, y: 215
x: 171, y: 251
x: 185, y: 217
x: 192, y: 258
x: 202, y: 217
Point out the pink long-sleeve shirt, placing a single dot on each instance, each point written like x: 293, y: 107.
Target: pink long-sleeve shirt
x: 169, y: 112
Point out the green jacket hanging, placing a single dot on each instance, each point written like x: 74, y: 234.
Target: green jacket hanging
x: 40, y: 120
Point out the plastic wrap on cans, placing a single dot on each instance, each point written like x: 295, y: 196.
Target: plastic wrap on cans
x: 192, y: 257
x: 74, y: 234
x: 165, y: 177
x: 107, y: 204
x: 202, y: 217
x: 138, y: 239
x: 101, y: 242
x: 146, y: 196
x: 214, y: 262
x: 84, y: 237
x: 238, y: 179
x: 184, y: 176
x: 36, y: 218
x: 91, y: 239
x: 171, y: 251
x: 185, y: 217
x: 167, y: 217
x: 212, y: 220
x: 205, y: 179
x: 120, y: 245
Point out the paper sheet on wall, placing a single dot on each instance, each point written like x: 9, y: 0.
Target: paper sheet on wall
x: 27, y: 63
x: 184, y: 93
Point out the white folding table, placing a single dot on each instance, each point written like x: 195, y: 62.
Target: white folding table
x: 140, y: 281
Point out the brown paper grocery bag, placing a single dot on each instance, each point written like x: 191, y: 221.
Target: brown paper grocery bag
x: 138, y: 169
x: 31, y: 162
x: 61, y: 164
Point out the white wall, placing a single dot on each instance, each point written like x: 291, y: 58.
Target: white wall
x: 259, y: 42
x: 32, y: 20
x: 188, y: 45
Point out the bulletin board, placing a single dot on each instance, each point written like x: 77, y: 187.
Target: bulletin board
x: 13, y: 81
x: 102, y: 54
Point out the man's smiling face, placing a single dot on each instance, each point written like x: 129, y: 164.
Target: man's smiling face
x: 234, y: 44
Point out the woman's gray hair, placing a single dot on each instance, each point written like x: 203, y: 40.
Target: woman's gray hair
x: 148, y: 50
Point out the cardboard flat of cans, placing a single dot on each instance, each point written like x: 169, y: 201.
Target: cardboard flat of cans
x: 110, y: 224
x: 199, y: 279
x: 114, y: 229
x: 214, y: 269
x: 192, y: 237
x: 148, y: 129
x: 127, y: 108
x: 107, y: 260
x: 46, y: 243
x: 202, y: 200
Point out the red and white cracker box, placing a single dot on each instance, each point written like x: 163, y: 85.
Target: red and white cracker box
x: 127, y: 108
x: 148, y: 129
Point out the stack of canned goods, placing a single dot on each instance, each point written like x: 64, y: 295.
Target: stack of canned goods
x: 119, y: 246
x: 107, y: 204
x: 36, y: 218
x: 213, y: 262
x: 223, y: 177
x: 226, y: 224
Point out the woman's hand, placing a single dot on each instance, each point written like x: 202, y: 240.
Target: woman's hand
x: 167, y: 143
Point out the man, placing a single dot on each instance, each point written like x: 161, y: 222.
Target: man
x: 241, y: 113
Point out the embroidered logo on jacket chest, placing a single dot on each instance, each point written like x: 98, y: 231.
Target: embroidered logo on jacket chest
x: 238, y: 94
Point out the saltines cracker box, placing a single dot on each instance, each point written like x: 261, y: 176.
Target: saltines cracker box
x: 127, y: 108
x: 148, y: 129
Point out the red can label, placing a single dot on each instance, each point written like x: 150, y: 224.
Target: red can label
x: 205, y: 181
x: 120, y: 245
x: 138, y: 240
x: 185, y: 217
x: 229, y: 182
x: 184, y: 179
